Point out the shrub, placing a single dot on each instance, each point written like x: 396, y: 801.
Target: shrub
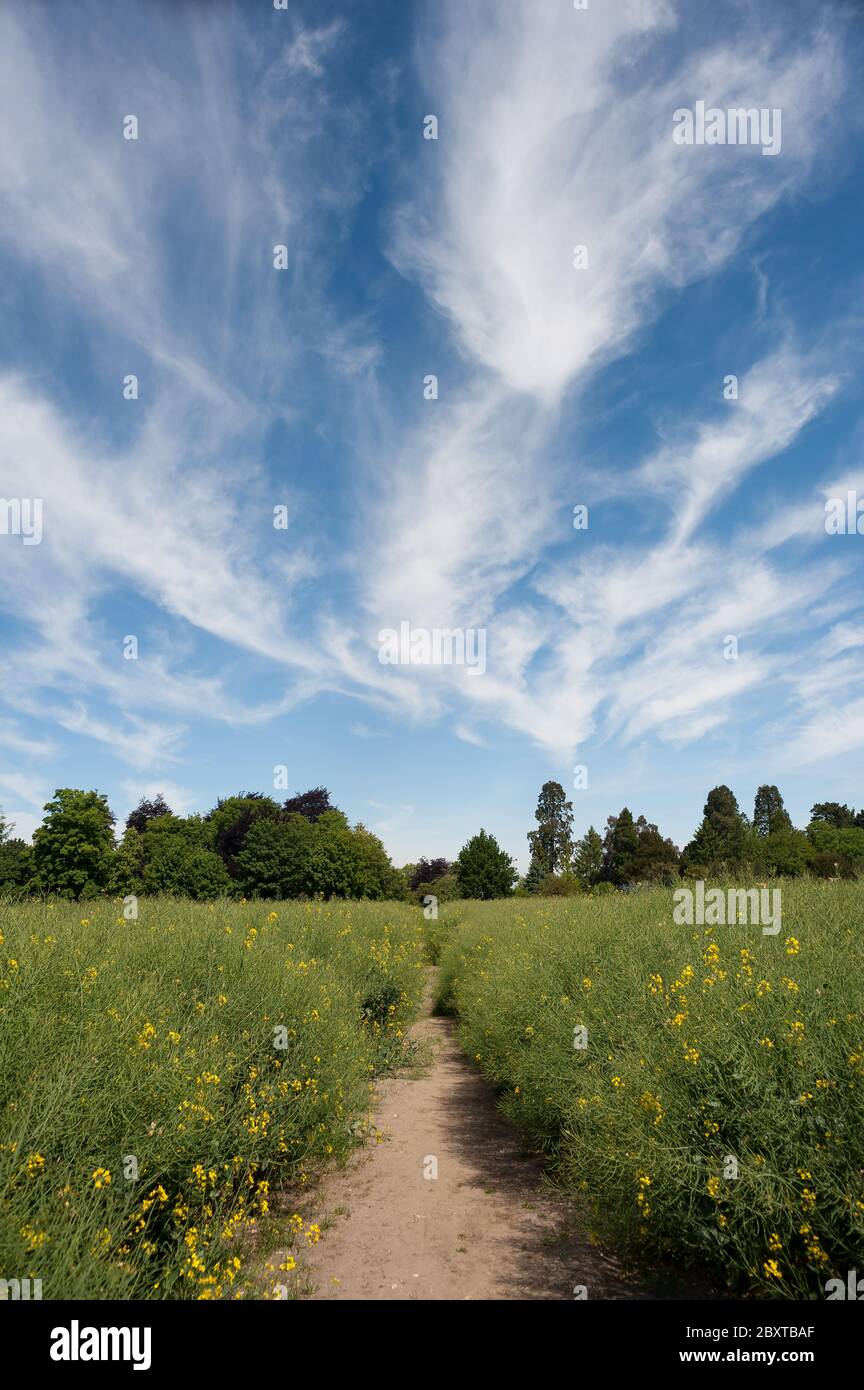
x: 559, y: 886
x: 445, y: 889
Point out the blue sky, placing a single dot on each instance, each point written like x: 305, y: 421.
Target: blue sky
x: 303, y: 387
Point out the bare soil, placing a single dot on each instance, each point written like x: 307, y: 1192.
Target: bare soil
x: 487, y: 1227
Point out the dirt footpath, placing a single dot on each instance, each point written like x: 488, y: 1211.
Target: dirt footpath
x: 483, y: 1228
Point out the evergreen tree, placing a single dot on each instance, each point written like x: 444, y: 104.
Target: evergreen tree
x: 620, y: 846
x: 832, y: 813
x: 705, y: 851
x: 723, y: 814
x: 769, y: 813
x: 552, y: 842
x: 636, y: 852
x: 535, y: 875
x: 723, y: 840
x: 484, y: 869
x: 588, y: 856
x: 656, y: 859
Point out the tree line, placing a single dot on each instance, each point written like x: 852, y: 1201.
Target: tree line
x: 248, y: 845
x: 251, y: 845
x: 727, y: 842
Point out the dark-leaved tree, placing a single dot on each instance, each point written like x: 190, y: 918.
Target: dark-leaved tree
x: 146, y: 811
x: 310, y: 804
x: 230, y: 820
x: 427, y: 870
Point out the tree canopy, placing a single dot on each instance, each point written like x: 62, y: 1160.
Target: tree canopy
x: 552, y: 842
x: 73, y: 848
x: 250, y: 845
x: 484, y: 869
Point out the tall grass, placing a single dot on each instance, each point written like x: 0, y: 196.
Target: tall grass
x: 157, y: 1076
x: 717, y: 1112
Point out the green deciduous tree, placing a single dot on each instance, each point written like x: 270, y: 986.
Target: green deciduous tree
x: 229, y: 822
x: 297, y: 857
x: 351, y: 863
x: 127, y: 869
x: 786, y: 851
x: 172, y: 855
x: 16, y: 860
x: 445, y: 889
x: 837, y: 851
x: 565, y: 885
x: 73, y: 848
x: 276, y: 858
x: 182, y: 868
